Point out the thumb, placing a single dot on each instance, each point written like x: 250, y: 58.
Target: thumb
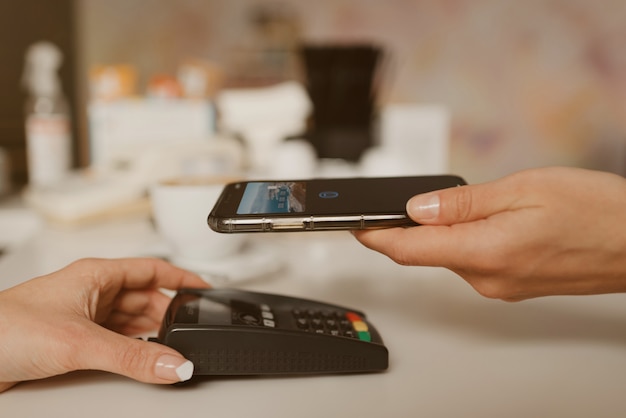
x: 457, y: 204
x: 148, y: 362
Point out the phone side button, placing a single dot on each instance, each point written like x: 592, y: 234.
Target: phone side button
x: 285, y: 224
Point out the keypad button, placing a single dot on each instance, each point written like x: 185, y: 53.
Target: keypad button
x: 360, y: 326
x: 345, y: 324
x: 329, y: 315
x: 317, y: 323
x: 364, y: 336
x: 351, y: 316
x: 349, y: 333
x: 330, y: 322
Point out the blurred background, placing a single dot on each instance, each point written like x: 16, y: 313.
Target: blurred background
x: 524, y: 84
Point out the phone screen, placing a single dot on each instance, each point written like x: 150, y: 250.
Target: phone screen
x: 273, y: 197
x: 327, y: 196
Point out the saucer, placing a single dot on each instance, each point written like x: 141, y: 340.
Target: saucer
x: 252, y: 262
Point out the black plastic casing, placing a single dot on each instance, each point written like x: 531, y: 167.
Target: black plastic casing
x: 239, y: 348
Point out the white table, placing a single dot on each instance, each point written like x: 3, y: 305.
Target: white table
x: 452, y: 352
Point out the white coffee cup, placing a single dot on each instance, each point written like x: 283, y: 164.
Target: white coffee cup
x: 180, y: 209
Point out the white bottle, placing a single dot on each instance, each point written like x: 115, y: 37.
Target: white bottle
x: 48, y: 134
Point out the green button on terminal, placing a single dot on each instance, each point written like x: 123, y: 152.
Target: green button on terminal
x: 365, y: 336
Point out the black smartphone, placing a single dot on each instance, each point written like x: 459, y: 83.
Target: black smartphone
x: 321, y: 204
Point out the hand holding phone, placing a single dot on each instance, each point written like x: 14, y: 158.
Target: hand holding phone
x: 321, y: 204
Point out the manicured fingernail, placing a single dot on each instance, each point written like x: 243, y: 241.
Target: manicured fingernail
x: 174, y: 368
x: 423, y: 207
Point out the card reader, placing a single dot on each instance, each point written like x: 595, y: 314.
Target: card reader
x: 237, y: 332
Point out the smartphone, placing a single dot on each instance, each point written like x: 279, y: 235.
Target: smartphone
x: 320, y: 204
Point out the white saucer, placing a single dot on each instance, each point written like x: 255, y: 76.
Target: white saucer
x: 253, y: 262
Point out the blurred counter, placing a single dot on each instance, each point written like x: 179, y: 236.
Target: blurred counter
x: 452, y: 352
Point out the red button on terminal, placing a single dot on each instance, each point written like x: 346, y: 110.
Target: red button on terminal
x: 353, y: 317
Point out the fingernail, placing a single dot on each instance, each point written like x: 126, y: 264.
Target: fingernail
x: 423, y: 207
x: 174, y: 368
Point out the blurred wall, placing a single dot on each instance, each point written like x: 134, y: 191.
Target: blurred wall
x: 528, y: 83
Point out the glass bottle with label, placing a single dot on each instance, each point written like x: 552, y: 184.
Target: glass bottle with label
x: 48, y: 132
